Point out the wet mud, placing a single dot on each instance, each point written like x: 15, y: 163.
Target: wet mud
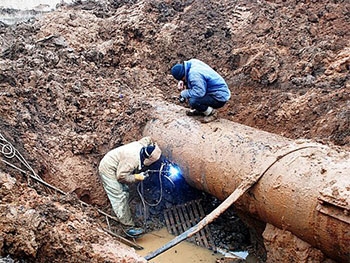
x: 79, y: 81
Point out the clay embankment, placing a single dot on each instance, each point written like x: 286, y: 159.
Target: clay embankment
x: 77, y: 82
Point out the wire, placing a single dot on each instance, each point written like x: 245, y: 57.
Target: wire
x: 10, y: 152
x: 161, y: 189
x: 143, y: 200
x: 171, y: 181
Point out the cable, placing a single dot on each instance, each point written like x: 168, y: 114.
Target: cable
x: 143, y: 200
x: 161, y: 189
x: 10, y: 152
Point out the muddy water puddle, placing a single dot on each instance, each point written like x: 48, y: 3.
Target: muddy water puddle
x: 182, y: 252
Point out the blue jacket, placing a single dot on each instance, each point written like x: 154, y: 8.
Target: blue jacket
x: 202, y: 79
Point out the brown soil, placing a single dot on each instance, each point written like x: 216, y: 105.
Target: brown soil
x: 78, y: 82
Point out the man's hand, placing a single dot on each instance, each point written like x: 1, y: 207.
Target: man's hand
x: 181, y: 99
x: 140, y: 176
x: 180, y: 85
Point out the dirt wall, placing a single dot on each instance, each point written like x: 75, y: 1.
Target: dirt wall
x: 78, y: 82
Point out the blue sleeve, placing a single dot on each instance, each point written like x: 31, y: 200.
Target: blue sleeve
x: 197, y: 86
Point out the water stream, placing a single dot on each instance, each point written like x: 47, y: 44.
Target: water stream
x: 183, y: 252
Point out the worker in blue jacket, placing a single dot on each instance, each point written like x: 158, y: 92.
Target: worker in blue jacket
x: 202, y: 86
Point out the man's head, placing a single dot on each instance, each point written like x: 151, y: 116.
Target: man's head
x: 178, y: 71
x: 150, y: 154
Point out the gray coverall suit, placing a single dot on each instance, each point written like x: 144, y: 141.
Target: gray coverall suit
x: 116, y: 171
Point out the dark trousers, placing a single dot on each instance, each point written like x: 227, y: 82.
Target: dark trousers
x: 201, y: 104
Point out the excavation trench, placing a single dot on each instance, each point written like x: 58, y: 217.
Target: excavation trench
x: 304, y: 188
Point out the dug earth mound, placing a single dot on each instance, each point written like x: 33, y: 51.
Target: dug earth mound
x: 83, y: 79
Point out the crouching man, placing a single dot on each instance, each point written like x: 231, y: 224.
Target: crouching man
x: 122, y: 166
x: 203, y: 87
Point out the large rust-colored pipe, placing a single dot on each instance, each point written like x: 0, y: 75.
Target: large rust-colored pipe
x: 305, y: 188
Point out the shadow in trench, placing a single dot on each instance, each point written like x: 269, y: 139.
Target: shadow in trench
x: 157, y: 193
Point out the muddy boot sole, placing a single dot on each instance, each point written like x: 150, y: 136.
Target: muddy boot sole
x: 194, y: 113
x: 210, y: 118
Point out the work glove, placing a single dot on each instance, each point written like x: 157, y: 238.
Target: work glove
x: 140, y: 176
x: 181, y: 99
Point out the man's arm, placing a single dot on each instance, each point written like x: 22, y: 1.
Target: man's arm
x: 198, y: 87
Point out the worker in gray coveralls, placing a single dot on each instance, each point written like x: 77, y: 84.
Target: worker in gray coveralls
x: 122, y: 166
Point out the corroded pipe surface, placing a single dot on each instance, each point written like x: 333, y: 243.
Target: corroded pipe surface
x: 305, y: 188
